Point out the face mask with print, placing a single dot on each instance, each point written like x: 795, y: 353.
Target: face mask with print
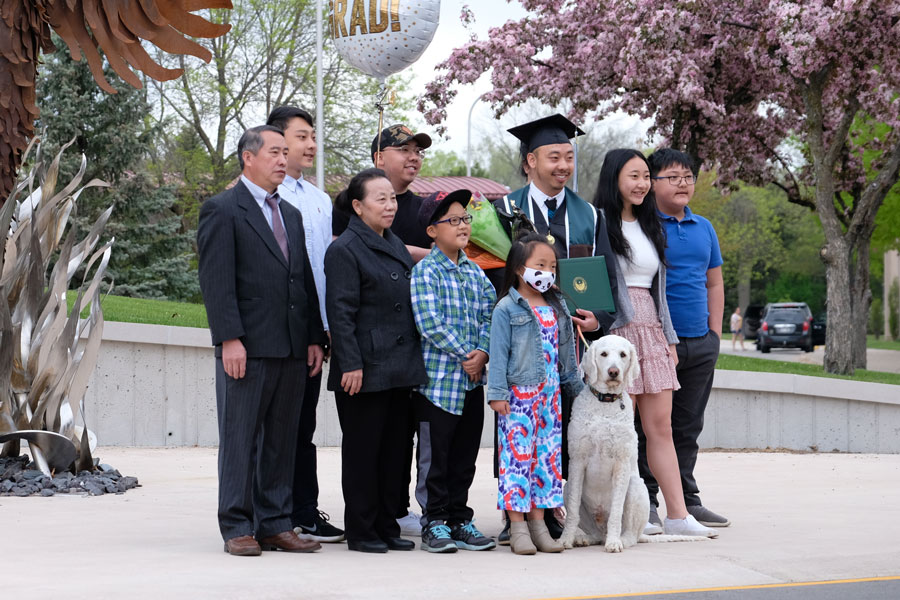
x: 539, y: 280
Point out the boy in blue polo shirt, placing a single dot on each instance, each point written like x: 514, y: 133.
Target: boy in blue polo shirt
x: 696, y: 297
x: 452, y: 301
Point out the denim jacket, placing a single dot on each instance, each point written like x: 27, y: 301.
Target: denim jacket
x: 517, y: 356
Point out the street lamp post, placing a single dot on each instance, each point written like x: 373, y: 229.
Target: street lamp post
x: 320, y: 101
x: 469, y: 137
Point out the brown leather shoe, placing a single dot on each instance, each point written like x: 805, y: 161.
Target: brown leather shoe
x: 243, y: 546
x: 288, y: 542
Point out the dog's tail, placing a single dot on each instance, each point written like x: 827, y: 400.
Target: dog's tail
x: 659, y: 539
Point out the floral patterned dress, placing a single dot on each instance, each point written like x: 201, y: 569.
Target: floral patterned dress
x: 530, y: 437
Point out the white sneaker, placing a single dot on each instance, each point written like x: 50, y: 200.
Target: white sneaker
x: 688, y: 526
x: 651, y: 529
x: 411, y: 524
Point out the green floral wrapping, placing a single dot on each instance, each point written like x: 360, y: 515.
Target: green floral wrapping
x: 487, y: 232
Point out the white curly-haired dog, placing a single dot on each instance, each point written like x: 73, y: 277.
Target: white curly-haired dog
x: 606, y: 500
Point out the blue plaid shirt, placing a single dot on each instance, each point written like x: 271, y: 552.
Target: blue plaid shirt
x: 452, y: 304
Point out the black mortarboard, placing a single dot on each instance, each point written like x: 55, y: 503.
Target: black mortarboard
x: 555, y: 129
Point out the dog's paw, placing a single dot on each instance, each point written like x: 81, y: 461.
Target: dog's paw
x: 567, y: 540
x: 614, y: 545
x: 581, y: 540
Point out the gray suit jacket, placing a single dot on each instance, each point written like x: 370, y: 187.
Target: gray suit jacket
x: 251, y: 292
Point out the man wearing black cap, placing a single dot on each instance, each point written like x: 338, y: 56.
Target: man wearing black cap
x: 399, y: 153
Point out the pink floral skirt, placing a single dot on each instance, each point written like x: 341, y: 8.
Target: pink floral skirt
x: 645, y: 332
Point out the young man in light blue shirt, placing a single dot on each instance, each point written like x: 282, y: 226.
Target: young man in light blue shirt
x: 696, y: 297
x: 315, y: 207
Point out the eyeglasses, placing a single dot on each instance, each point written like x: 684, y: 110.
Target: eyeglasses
x: 406, y: 150
x: 455, y: 220
x: 677, y: 179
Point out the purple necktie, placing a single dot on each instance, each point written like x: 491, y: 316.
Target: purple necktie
x: 277, y: 227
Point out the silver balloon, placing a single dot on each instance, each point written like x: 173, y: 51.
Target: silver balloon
x: 383, y: 37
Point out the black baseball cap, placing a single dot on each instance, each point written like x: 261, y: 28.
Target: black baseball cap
x: 437, y: 204
x: 555, y: 129
x: 397, y: 135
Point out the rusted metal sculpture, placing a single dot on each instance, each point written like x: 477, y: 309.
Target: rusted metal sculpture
x: 116, y: 27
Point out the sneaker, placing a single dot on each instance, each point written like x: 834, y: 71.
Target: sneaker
x: 320, y: 530
x: 467, y: 537
x: 436, y: 538
x: 688, y: 526
x: 654, y: 516
x: 652, y: 529
x: 411, y: 524
x: 503, y: 538
x: 707, y: 517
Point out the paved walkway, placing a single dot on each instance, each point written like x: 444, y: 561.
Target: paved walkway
x: 876, y: 359
x: 797, y: 518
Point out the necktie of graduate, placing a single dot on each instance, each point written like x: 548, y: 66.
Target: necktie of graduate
x: 277, y: 227
x: 551, y: 208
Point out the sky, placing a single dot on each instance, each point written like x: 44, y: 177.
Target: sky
x: 452, y: 34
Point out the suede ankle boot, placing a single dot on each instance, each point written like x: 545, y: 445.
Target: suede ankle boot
x: 541, y: 537
x: 520, y: 538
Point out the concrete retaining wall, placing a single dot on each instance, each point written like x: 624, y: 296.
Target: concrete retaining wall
x: 155, y: 386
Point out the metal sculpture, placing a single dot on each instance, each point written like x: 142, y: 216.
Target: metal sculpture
x: 117, y: 28
x: 47, y: 354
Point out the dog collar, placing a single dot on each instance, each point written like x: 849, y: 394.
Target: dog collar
x: 607, y: 397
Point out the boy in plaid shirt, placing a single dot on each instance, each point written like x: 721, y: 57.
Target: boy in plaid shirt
x: 452, y: 301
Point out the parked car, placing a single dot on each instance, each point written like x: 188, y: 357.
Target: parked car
x: 752, y: 317
x: 785, y: 325
x: 818, y: 329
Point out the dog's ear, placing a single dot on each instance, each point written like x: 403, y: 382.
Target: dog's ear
x: 634, y: 368
x: 589, y: 364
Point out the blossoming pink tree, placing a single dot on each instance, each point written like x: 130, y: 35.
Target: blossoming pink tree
x: 766, y: 91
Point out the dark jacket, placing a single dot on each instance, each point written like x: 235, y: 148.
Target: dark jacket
x: 369, y: 310
x: 250, y: 290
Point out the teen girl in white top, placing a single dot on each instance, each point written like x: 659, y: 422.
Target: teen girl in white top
x: 638, y: 239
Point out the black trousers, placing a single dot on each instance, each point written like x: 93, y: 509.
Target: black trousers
x: 446, y: 455
x: 258, y: 416
x: 306, y: 482
x: 411, y: 426
x: 373, y: 450
x: 696, y: 365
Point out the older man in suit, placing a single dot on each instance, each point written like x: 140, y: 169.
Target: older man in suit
x: 263, y: 313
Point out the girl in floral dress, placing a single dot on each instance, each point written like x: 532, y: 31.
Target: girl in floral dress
x: 532, y: 355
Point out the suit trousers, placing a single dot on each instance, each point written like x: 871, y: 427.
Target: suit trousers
x: 696, y: 366
x: 446, y: 455
x: 306, y: 481
x: 373, y: 460
x: 258, y: 416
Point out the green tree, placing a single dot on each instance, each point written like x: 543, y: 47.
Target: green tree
x: 446, y: 163
x: 268, y: 60
x: 151, y: 257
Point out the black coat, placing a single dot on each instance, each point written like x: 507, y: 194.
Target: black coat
x: 250, y: 290
x: 369, y: 310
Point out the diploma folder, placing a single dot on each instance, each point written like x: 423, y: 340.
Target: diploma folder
x: 584, y: 283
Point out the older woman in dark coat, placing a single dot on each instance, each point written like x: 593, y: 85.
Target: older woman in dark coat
x: 377, y: 359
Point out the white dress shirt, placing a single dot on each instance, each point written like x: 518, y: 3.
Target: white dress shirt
x: 540, y: 198
x: 315, y: 206
x: 259, y: 194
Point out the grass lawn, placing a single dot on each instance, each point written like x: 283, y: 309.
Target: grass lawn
x: 763, y: 365
x: 153, y: 312
x: 881, y: 344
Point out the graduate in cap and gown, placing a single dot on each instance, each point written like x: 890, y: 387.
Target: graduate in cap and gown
x: 574, y: 227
